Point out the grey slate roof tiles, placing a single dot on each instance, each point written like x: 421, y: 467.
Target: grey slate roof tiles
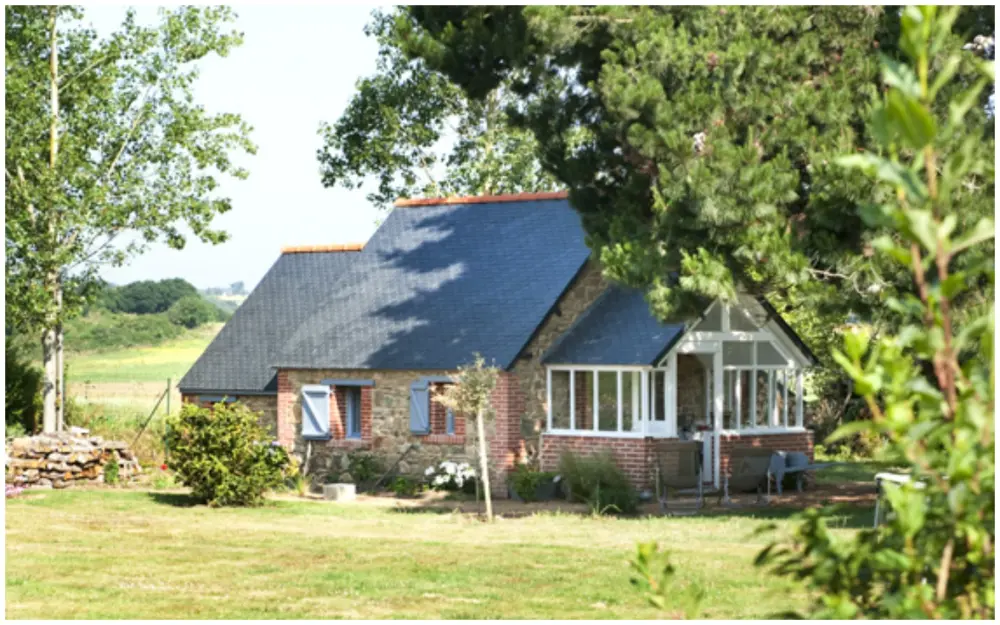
x: 617, y: 329
x: 432, y: 286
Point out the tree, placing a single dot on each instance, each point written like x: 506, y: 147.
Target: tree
x: 471, y: 394
x: 399, y: 121
x: 148, y: 297
x: 104, y: 140
x: 192, y: 311
x: 699, y: 143
x: 930, y: 386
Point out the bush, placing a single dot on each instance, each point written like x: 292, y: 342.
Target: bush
x: 111, y: 470
x: 451, y: 476
x: 108, y: 331
x: 363, y: 467
x: 526, y: 481
x: 23, y: 396
x: 404, y: 486
x: 224, y: 455
x: 598, y: 481
x: 192, y: 311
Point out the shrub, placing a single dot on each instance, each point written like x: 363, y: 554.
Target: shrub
x: 363, y: 467
x: 405, y: 487
x: 526, y: 481
x: 598, y: 481
x: 224, y: 455
x: 22, y: 385
x: 192, y: 311
x: 451, y: 476
x: 106, y: 331
x: 111, y: 476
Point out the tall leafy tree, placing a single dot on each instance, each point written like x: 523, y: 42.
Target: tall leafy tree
x: 415, y: 131
x: 699, y: 143
x: 104, y: 140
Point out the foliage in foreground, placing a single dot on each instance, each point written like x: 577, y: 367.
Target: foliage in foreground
x: 22, y: 391
x: 224, y: 455
x: 598, y: 481
x: 930, y: 386
x: 655, y: 576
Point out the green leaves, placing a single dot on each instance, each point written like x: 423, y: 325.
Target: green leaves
x: 930, y: 386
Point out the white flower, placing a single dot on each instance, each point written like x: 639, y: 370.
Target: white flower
x: 429, y: 472
x: 450, y: 469
x: 440, y: 480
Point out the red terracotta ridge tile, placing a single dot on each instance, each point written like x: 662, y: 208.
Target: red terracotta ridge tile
x: 332, y: 247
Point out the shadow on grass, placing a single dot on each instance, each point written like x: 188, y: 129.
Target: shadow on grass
x: 845, y: 516
x: 178, y: 500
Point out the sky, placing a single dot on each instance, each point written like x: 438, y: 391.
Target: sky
x: 297, y: 67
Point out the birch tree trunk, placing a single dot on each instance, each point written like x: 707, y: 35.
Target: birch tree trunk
x: 49, y: 349
x: 484, y: 465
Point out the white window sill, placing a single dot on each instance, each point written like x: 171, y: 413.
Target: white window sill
x: 764, y: 431
x: 599, y: 434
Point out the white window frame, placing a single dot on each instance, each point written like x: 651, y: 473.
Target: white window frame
x: 640, y: 403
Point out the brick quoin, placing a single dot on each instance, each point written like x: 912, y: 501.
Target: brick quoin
x: 508, y: 403
x: 286, y: 406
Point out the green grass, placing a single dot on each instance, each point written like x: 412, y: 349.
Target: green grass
x: 170, y: 359
x: 130, y: 554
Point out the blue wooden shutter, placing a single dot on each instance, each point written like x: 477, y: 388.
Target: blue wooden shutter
x: 316, y: 412
x: 420, y: 419
x: 449, y: 422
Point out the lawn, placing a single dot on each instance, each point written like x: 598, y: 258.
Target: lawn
x: 134, y: 554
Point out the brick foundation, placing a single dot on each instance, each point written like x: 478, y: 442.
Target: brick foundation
x: 637, y: 456
x: 631, y: 454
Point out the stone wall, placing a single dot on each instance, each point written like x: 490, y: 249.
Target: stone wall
x: 528, y: 369
x: 265, y: 405
x: 62, y: 459
x: 385, y: 415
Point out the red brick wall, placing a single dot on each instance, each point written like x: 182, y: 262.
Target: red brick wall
x: 338, y: 415
x: 508, y: 405
x: 286, y: 404
x: 632, y: 454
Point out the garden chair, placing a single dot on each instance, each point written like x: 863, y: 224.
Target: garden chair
x: 798, y: 463
x: 678, y: 468
x: 749, y: 469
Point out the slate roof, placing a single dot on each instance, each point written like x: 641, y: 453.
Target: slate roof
x: 617, y: 329
x: 433, y: 285
x: 241, y: 356
x: 437, y: 283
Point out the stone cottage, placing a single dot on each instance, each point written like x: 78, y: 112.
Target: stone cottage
x: 342, y: 347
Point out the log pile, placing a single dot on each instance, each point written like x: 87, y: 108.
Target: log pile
x: 58, y: 460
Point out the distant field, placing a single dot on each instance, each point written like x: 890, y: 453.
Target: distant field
x: 130, y: 380
x: 141, y: 364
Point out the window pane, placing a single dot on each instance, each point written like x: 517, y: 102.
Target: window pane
x: 628, y: 383
x: 584, y: 389
x: 767, y: 354
x: 560, y: 400
x: 737, y: 354
x: 712, y: 321
x: 656, y: 386
x: 354, y: 413
x: 740, y: 322
x: 607, y: 391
